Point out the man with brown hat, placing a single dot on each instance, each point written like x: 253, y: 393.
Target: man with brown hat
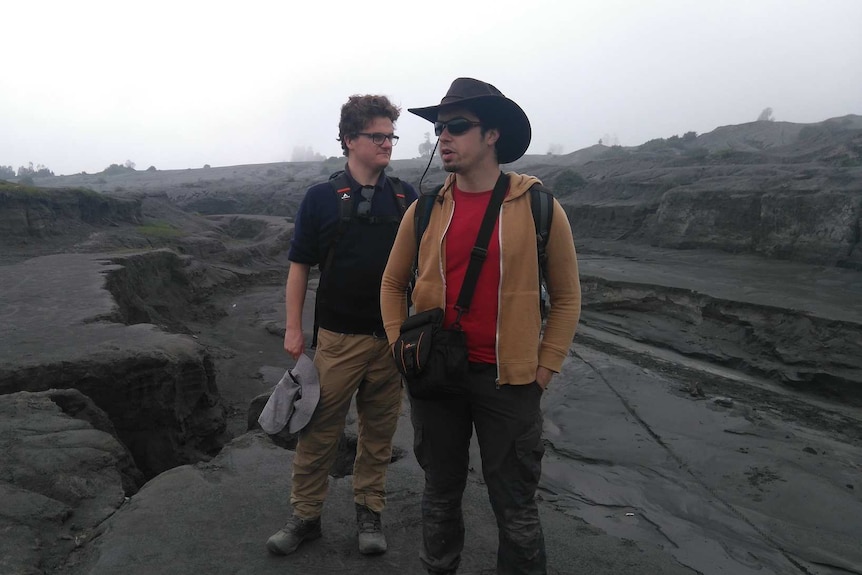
x: 511, y: 361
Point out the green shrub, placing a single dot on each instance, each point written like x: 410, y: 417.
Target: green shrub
x: 568, y: 181
x: 654, y: 144
x: 117, y: 169
x: 160, y: 229
x: 696, y: 153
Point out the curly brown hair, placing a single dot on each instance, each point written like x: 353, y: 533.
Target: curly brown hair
x: 359, y: 111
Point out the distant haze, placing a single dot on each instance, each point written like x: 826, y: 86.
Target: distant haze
x: 182, y: 84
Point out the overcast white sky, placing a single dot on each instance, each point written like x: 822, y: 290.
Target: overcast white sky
x: 181, y: 84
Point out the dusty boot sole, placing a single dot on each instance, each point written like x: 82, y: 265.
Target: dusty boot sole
x: 272, y: 544
x: 372, y: 547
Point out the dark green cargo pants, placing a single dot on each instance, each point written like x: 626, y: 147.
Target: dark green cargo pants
x: 508, y: 423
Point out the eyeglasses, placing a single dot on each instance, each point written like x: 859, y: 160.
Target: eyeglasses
x: 379, y: 137
x: 456, y: 126
x: 364, y: 207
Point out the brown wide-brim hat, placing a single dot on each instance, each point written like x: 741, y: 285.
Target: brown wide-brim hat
x: 515, y: 132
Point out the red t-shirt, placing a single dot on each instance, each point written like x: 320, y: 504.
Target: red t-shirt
x: 480, y: 322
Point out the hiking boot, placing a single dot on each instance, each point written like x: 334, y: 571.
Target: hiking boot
x: 294, y: 532
x: 371, y: 538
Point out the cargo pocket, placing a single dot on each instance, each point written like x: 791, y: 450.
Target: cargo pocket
x: 529, y: 449
x: 420, y: 449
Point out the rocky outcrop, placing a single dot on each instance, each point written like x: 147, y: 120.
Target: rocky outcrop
x: 804, y: 352
x: 785, y: 191
x: 157, y: 388
x: 162, y: 288
x: 816, y: 225
x: 27, y: 212
x: 794, y: 324
x: 815, y: 219
x: 62, y: 474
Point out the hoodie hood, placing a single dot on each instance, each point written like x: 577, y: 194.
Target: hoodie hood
x: 519, y: 184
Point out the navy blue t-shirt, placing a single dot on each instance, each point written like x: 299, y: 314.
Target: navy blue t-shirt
x: 349, y: 292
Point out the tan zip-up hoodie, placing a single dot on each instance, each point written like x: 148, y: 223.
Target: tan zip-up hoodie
x: 519, y: 347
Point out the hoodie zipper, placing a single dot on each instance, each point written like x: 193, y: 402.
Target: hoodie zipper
x: 440, y: 251
x: 499, y: 298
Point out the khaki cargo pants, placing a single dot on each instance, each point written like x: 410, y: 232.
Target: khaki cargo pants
x: 348, y: 364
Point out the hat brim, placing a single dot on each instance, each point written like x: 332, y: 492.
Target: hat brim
x: 305, y: 373
x: 514, y: 125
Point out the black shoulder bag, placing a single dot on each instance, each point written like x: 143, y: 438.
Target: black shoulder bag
x: 434, y: 360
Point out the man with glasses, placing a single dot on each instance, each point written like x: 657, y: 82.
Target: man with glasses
x: 511, y: 361
x: 352, y: 355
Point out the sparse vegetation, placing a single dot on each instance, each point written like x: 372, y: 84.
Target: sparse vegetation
x: 19, y: 188
x: 568, y: 181
x: 766, y: 116
x: 696, y: 153
x: 679, y: 143
x: 426, y: 148
x: 305, y: 154
x: 117, y: 169
x: 654, y: 145
x: 610, y: 140
x: 160, y: 229
x: 30, y: 171
x: 617, y: 151
x: 29, y: 190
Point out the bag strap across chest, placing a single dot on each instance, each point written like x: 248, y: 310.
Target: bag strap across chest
x: 480, y: 250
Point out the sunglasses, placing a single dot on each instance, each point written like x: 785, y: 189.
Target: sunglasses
x: 456, y: 126
x: 364, y: 207
x: 379, y: 137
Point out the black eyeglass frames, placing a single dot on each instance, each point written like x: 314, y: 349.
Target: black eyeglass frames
x: 456, y: 126
x: 379, y: 137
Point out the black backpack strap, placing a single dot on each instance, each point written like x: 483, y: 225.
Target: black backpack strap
x: 421, y: 217
x: 400, y: 198
x: 542, y: 206
x: 341, y: 187
x: 480, y: 250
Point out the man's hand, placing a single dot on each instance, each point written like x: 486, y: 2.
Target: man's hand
x: 294, y: 300
x: 543, y: 377
x: 294, y: 342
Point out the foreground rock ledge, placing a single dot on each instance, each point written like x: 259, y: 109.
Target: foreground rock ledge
x: 60, y: 476
x: 157, y: 388
x: 215, y: 518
